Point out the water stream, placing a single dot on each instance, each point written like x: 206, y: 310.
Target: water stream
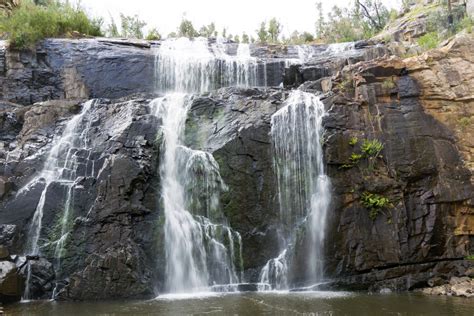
x: 303, y: 188
x: 201, y: 249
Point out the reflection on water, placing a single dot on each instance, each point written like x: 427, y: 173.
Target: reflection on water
x: 270, y: 303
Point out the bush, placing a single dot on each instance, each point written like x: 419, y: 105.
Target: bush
x: 153, y: 35
x: 429, y: 41
x: 375, y: 203
x: 30, y: 23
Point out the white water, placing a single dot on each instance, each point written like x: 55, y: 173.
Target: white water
x: 60, y: 166
x: 195, y: 66
x: 201, y: 249
x: 303, y: 186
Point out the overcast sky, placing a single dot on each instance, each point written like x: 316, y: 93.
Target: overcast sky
x: 235, y: 15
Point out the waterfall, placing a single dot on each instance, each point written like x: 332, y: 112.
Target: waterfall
x: 67, y: 152
x: 201, y: 249
x: 196, y: 66
x: 303, y: 186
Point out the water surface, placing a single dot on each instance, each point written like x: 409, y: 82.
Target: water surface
x: 270, y: 303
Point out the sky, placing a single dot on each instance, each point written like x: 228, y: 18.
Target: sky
x: 236, y: 15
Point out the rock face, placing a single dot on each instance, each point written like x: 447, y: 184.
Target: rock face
x: 114, y: 242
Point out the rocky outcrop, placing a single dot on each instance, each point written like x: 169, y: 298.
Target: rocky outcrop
x: 425, y: 230
x: 113, y: 220
x: 462, y: 287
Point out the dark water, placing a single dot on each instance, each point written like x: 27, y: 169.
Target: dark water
x: 309, y: 303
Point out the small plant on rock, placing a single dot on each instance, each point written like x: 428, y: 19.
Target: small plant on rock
x: 375, y: 203
x: 371, y: 148
x: 388, y: 84
x: 353, y: 141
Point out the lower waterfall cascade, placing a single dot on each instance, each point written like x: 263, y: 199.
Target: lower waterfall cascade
x: 303, y: 187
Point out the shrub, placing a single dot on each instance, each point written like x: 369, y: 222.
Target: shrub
x: 388, y: 84
x: 371, y: 148
x: 429, y: 40
x: 375, y: 203
x: 30, y: 23
x: 153, y: 35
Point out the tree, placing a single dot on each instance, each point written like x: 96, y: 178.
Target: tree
x: 207, y: 30
x: 237, y: 38
x: 153, y: 35
x: 374, y: 12
x: 132, y: 26
x: 320, y: 20
x: 274, y: 29
x: 245, y: 38
x: 262, y: 33
x: 186, y: 29
x: 224, y: 32
x: 112, y: 29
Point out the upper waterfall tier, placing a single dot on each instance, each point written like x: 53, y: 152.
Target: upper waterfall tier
x: 111, y: 68
x: 196, y: 66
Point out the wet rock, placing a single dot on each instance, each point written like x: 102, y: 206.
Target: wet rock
x: 11, y: 283
x: 41, y: 281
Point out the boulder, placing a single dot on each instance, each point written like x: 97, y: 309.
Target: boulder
x: 11, y: 283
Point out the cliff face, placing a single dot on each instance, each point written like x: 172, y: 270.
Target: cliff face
x: 420, y: 109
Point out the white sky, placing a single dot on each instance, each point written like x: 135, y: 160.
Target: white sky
x: 235, y: 15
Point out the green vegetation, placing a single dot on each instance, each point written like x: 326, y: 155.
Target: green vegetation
x: 30, y: 22
x: 353, y: 141
x: 153, y: 35
x: 361, y: 20
x: 464, y: 122
x: 375, y: 203
x: 428, y: 41
x: 371, y: 148
x: 470, y: 257
x: 388, y: 84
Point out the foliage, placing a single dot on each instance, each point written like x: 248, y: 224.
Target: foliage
x: 297, y: 38
x: 262, y: 33
x: 464, y: 122
x: 362, y: 19
x: 375, y: 203
x: 208, y: 30
x: 371, y: 148
x: 274, y: 30
x: 353, y: 141
x: 30, y: 22
x: 355, y: 158
x: 153, y: 35
x: 112, y: 29
x: 470, y: 257
x: 428, y: 41
x: 388, y: 84
x: 186, y: 29
x: 132, y: 26
x: 245, y: 38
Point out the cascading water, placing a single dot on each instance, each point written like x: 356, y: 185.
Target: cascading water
x: 201, y: 249
x: 195, y: 66
x: 303, y: 186
x: 61, y: 166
